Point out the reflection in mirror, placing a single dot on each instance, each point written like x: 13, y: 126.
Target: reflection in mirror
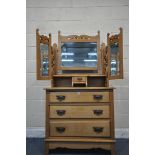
x: 79, y: 54
x: 44, y: 60
x: 114, y: 59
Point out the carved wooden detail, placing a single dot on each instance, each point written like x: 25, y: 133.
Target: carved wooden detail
x: 113, y: 38
x: 44, y: 39
x: 78, y: 37
x: 53, y: 59
x: 104, y: 58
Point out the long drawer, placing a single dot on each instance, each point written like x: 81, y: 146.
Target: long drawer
x: 81, y: 128
x: 79, y: 97
x: 80, y: 111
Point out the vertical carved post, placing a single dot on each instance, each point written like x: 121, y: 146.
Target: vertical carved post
x: 121, y: 51
x: 38, y: 63
x: 103, y: 53
x: 59, y: 50
x: 108, y: 55
x: 99, y: 54
x: 55, y: 50
x: 104, y: 62
x: 49, y: 57
x: 53, y: 61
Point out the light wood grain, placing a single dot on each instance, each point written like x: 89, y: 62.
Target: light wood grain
x: 79, y: 139
x: 78, y: 88
x: 79, y: 145
x: 80, y: 128
x: 79, y: 96
x: 79, y: 80
x: 80, y: 111
x: 73, y: 75
x: 77, y: 68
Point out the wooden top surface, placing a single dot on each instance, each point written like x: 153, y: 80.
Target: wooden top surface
x: 70, y: 75
x: 73, y: 139
x: 77, y: 88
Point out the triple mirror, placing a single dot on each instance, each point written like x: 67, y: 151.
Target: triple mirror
x: 79, y: 54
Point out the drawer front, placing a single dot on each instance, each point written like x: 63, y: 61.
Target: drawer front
x: 79, y: 79
x: 82, y: 128
x: 79, y: 97
x: 80, y: 111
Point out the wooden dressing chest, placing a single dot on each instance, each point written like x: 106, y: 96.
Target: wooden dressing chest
x: 79, y: 103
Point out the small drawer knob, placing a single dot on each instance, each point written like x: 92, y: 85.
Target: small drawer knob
x: 60, y: 112
x: 60, y: 97
x: 98, y: 112
x: 60, y: 129
x: 98, y: 129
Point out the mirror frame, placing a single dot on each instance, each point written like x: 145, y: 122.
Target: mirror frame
x: 111, y: 39
x: 44, y: 40
x: 81, y: 38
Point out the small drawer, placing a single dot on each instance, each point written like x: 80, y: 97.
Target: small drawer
x: 79, y: 97
x: 79, y: 79
x: 80, y: 111
x: 76, y: 81
x: 81, y: 128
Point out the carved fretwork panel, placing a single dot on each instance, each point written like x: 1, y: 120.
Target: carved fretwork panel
x: 104, y: 58
x: 104, y: 54
x: 53, y: 59
x: 77, y: 38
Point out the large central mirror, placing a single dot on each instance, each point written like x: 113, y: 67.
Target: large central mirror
x: 79, y: 54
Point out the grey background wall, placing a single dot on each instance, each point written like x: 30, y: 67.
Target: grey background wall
x: 74, y: 17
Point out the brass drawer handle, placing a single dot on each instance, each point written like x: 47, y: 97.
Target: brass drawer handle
x: 98, y: 97
x: 98, y: 129
x: 98, y: 112
x: 60, y: 129
x: 60, y: 112
x: 60, y: 97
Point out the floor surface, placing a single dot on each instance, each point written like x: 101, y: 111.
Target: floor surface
x: 35, y: 146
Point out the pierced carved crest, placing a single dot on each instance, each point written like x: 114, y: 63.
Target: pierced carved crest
x: 76, y: 37
x: 44, y: 39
